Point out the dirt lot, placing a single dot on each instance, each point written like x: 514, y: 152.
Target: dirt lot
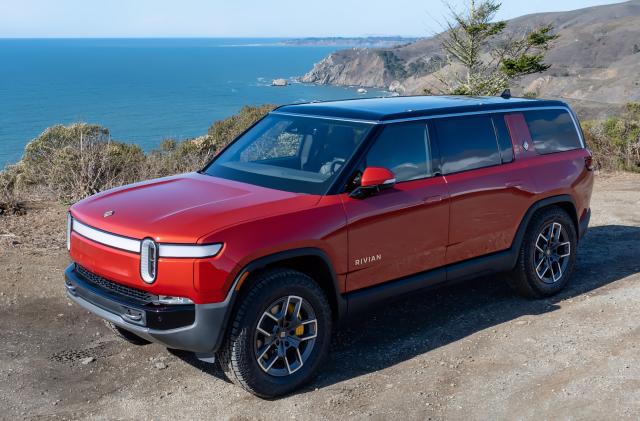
x: 472, y: 351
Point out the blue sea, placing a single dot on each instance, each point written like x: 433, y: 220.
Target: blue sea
x: 145, y: 90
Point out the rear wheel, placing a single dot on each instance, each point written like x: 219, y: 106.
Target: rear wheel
x: 547, y: 254
x: 279, y: 334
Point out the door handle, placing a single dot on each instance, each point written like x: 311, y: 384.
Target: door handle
x: 432, y: 199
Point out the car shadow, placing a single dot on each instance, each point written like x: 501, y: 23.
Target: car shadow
x: 401, y: 329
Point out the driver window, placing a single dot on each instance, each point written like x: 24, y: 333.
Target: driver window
x: 404, y: 149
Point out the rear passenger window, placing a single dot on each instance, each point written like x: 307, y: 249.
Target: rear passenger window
x: 467, y: 143
x: 404, y: 149
x: 552, y: 131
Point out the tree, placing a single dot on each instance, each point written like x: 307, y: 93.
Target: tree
x: 483, y: 59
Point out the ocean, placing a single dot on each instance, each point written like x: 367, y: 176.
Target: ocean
x: 145, y: 90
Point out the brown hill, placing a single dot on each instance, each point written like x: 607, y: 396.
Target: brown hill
x: 594, y: 63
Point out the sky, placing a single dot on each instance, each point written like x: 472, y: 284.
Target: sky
x: 241, y: 18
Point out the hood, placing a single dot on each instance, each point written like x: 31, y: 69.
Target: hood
x: 183, y: 208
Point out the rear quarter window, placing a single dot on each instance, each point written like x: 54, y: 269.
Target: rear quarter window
x: 552, y: 131
x: 467, y: 143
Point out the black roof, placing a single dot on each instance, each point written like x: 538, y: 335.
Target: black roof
x: 393, y: 108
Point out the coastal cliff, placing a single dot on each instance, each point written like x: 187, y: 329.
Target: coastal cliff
x: 594, y: 62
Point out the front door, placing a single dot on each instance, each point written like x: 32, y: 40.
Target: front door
x: 403, y: 230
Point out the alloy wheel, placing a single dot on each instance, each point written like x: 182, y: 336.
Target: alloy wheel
x: 285, y: 336
x: 552, y: 253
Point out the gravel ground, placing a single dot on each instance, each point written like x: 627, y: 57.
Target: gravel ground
x: 471, y: 351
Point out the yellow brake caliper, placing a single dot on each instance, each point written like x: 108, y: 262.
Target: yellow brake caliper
x: 299, y: 329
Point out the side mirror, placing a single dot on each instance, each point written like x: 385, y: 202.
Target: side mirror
x: 374, y: 180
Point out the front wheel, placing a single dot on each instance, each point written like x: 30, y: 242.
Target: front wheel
x: 547, y: 254
x: 279, y: 335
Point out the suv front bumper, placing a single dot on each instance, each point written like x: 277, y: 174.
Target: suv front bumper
x: 195, y: 327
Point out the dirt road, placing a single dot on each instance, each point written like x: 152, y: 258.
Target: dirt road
x: 472, y: 351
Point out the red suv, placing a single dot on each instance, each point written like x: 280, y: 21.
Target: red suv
x: 318, y: 211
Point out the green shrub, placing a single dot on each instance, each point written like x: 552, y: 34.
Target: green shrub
x: 615, y: 142
x: 68, y: 163
x: 72, y: 162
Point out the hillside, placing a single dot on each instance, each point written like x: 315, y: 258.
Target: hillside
x: 594, y: 63
x: 349, y: 42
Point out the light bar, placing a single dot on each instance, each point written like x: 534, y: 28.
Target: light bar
x: 193, y: 251
x: 111, y: 240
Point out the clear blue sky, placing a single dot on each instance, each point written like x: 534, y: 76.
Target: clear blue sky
x: 241, y: 18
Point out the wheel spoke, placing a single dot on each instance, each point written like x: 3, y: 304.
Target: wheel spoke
x: 555, y: 279
x: 297, y: 305
x: 273, y: 361
x: 299, y: 359
x: 545, y: 268
x: 264, y: 332
x: 567, y: 251
x: 314, y: 330
x: 553, y: 273
x: 268, y: 313
x: 546, y: 240
x: 266, y: 348
x: 278, y: 349
x: 556, y: 230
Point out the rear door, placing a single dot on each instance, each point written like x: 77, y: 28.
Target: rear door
x: 403, y: 230
x: 489, y: 191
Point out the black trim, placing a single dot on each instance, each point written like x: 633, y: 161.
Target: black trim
x: 363, y: 299
x: 584, y: 224
x: 159, y: 317
x: 503, y: 261
x: 265, y: 261
x: 261, y: 263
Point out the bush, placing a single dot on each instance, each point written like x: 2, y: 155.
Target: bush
x: 68, y: 163
x: 79, y: 160
x: 615, y: 142
x: 10, y: 200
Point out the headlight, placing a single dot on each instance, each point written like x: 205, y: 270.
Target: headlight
x: 148, y: 260
x: 69, y: 227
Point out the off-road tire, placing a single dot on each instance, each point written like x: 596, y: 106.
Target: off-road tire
x: 524, y: 278
x: 132, y: 338
x: 237, y: 355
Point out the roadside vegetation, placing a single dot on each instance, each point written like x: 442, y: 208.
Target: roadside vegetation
x: 615, y: 142
x: 68, y: 163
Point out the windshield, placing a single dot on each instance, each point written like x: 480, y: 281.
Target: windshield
x: 291, y: 153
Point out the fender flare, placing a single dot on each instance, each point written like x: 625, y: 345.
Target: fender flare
x: 524, y: 223
x: 264, y: 261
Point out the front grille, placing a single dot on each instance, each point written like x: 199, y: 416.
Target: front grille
x: 114, y: 288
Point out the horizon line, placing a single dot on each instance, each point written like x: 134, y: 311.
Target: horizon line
x: 218, y: 37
